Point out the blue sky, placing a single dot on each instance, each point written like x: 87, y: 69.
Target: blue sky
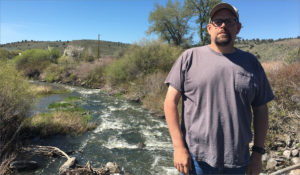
x: 127, y: 20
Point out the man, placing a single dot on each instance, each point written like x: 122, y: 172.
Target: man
x: 221, y: 88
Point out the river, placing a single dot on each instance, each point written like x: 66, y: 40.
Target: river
x: 121, y: 126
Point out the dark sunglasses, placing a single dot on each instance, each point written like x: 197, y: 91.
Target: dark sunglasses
x: 228, y: 22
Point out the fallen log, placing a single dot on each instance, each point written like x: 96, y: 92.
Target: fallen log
x: 44, y: 150
x: 70, y: 166
x: 67, y: 165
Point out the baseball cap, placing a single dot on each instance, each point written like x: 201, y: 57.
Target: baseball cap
x: 224, y: 5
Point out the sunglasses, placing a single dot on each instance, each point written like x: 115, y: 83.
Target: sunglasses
x: 228, y: 22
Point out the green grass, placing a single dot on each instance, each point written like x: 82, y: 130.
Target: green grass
x: 72, y: 99
x: 68, y: 104
x: 65, y: 117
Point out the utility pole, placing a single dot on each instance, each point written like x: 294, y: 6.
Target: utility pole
x: 98, y: 46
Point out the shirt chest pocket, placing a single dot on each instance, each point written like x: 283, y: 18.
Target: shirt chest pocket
x: 244, y: 85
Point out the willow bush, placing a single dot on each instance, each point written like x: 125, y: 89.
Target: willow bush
x: 15, y: 101
x: 32, y: 62
x: 142, y: 59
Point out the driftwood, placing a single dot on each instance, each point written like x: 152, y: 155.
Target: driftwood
x: 286, y: 170
x: 44, y: 150
x: 70, y: 166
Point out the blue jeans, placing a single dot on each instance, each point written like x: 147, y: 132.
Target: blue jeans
x: 200, y: 168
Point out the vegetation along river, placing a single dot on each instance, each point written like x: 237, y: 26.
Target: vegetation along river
x: 121, y: 127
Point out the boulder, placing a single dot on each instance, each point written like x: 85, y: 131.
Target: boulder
x: 265, y: 157
x: 277, y: 145
x: 295, y: 153
x: 113, y: 167
x: 296, y: 160
x: 295, y: 172
x: 271, y: 164
x: 141, y: 145
x: 288, y: 141
x: 287, y: 154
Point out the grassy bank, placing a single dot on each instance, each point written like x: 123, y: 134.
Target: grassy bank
x: 16, y: 97
x: 66, y: 118
x: 43, y: 90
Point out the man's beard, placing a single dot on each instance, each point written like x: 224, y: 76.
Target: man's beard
x: 223, y: 42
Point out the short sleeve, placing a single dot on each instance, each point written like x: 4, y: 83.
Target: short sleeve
x: 264, y: 93
x: 175, y: 77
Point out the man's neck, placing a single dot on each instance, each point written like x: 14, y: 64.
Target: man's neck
x: 222, y: 49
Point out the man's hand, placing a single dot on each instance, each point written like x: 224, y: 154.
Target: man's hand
x: 255, y: 165
x: 182, y: 160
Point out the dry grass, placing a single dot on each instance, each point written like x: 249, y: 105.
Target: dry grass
x: 284, y: 110
x: 58, y: 122
x: 273, y: 66
x: 41, y: 89
x: 45, y: 90
x: 155, y: 91
x: 84, y: 69
x: 4, y: 165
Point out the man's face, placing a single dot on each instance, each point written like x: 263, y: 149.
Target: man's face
x: 223, y: 28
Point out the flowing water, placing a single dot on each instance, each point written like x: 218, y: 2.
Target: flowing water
x: 121, y: 127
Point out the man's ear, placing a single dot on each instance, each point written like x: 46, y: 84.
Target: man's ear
x: 208, y: 27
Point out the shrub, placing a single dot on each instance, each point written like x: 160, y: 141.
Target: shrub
x: 293, y: 56
x: 66, y: 60
x: 57, y: 72
x: 155, y: 91
x: 32, y: 62
x: 120, y: 71
x: 285, y: 108
x: 4, y: 54
x: 96, y: 77
x: 54, y: 54
x: 15, y: 101
x: 142, y: 59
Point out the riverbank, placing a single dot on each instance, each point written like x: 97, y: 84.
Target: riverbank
x: 125, y: 134
x: 283, y: 138
x: 138, y: 75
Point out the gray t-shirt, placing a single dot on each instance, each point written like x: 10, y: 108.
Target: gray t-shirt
x: 218, y: 91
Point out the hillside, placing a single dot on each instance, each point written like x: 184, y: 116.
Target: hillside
x: 265, y: 50
x: 271, y: 51
x: 106, y: 47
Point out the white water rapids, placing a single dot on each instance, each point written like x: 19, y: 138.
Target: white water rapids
x: 121, y: 127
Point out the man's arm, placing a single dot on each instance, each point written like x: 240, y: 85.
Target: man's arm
x: 182, y: 160
x: 260, y: 125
